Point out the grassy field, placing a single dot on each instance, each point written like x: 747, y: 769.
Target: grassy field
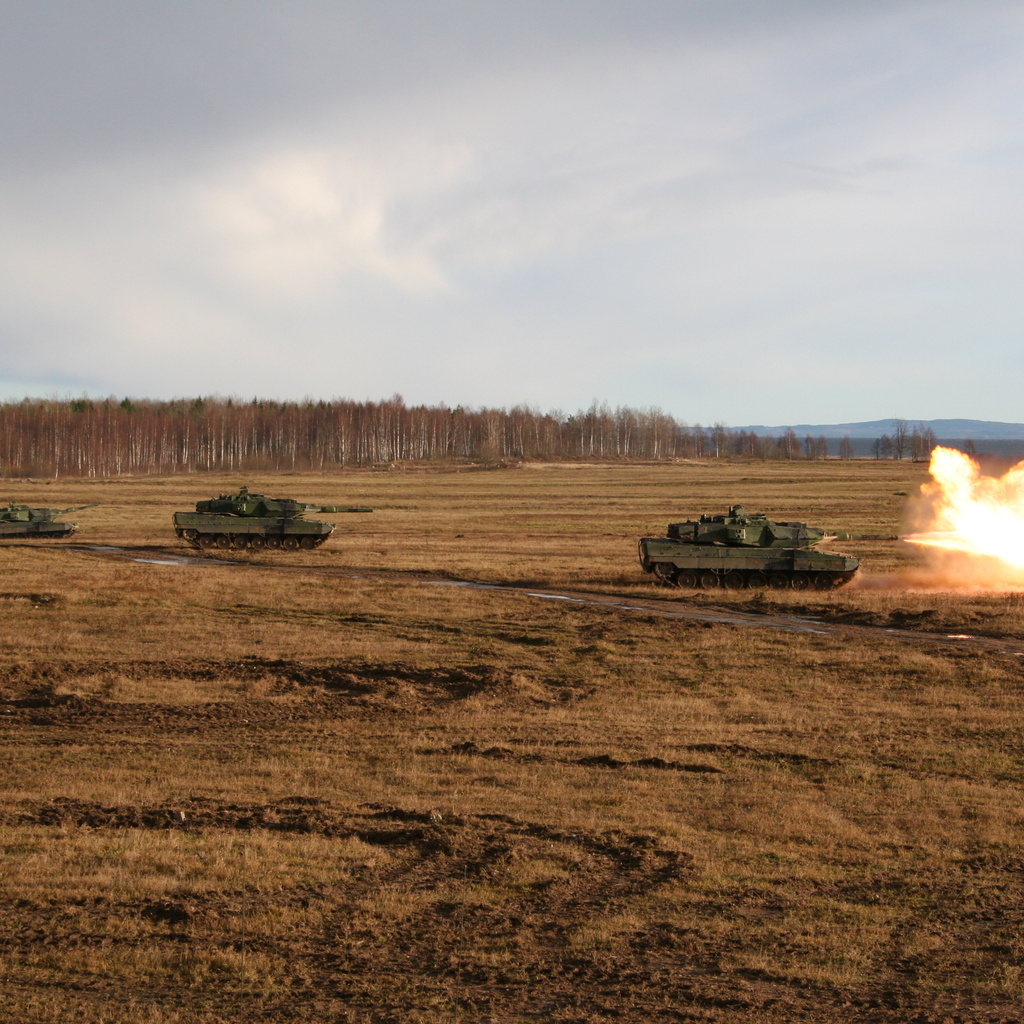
x: 323, y: 786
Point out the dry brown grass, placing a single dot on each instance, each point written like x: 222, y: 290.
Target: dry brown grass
x: 234, y: 792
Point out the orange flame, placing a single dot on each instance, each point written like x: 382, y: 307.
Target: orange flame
x: 976, y: 521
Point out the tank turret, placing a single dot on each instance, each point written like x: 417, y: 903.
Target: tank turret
x: 738, y: 529
x: 24, y: 521
x: 248, y: 520
x: 741, y: 549
x: 244, y: 503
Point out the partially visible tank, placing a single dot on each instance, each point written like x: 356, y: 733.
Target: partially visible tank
x: 35, y: 523
x: 254, y: 521
x: 738, y: 550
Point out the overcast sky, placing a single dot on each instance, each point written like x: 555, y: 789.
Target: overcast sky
x: 749, y: 211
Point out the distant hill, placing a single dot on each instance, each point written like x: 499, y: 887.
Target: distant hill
x: 958, y: 430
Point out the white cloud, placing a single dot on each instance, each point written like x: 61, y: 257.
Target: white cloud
x: 296, y: 222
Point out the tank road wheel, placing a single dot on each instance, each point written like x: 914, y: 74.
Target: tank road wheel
x: 800, y: 581
x: 734, y: 580
x: 207, y: 540
x: 223, y: 540
x: 239, y: 541
x: 290, y: 543
x: 192, y: 536
x: 778, y: 581
x: 823, y: 581
x: 686, y: 578
x: 708, y: 580
x: 757, y: 580
x: 664, y: 572
x: 273, y: 543
x: 257, y: 543
x: 307, y: 543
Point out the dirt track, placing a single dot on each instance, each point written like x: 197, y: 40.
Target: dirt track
x: 669, y: 608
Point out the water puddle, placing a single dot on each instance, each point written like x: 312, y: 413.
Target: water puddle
x: 166, y: 559
x: 464, y: 583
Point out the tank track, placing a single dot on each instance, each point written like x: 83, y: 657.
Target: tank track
x: 250, y: 541
x: 740, y: 579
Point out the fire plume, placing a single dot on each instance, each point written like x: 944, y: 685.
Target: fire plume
x: 974, y: 523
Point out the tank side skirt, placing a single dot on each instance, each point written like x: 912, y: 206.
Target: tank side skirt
x: 52, y: 530
x: 202, y: 530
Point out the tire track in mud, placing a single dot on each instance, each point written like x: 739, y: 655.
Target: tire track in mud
x: 500, y: 918
x: 543, y: 882
x: 1013, y: 647
x: 41, y: 706
x: 738, y: 751
x: 470, y: 749
x: 63, y: 716
x: 426, y: 832
x: 48, y: 693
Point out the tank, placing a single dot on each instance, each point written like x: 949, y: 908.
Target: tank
x: 739, y: 550
x: 254, y: 521
x: 35, y: 523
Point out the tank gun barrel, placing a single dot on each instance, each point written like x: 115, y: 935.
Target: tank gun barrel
x: 842, y: 535
x: 341, y: 508
x: 75, y: 508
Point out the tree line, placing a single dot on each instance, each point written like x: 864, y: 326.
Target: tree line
x: 917, y: 442
x: 103, y: 438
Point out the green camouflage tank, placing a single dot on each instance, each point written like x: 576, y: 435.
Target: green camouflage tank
x: 36, y: 523
x: 254, y: 521
x: 738, y: 550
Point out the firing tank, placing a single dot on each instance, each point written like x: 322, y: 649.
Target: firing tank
x: 253, y: 521
x: 35, y: 523
x: 739, y: 550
